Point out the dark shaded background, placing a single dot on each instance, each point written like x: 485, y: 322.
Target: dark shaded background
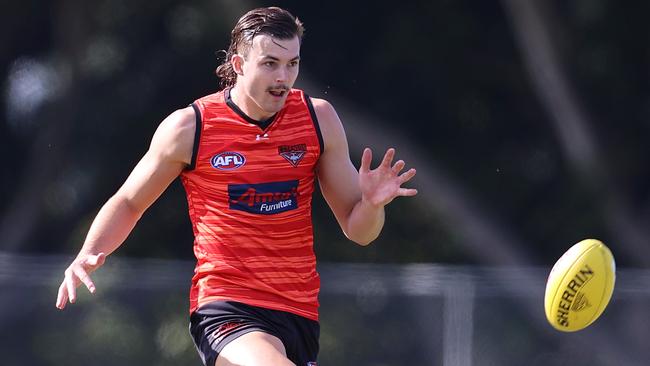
x: 527, y: 122
x: 86, y: 83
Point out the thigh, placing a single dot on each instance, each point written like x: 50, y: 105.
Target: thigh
x: 217, y: 324
x: 254, y: 349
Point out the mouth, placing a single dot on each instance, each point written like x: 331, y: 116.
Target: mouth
x: 278, y: 92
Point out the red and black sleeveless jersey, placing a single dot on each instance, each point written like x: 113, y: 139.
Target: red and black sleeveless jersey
x: 249, y: 194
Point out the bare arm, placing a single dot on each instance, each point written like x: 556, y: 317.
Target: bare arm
x: 169, y: 153
x: 357, y: 198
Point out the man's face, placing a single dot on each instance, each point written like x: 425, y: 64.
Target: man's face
x: 268, y: 71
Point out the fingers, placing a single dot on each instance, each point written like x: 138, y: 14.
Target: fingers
x: 75, y: 274
x: 407, y: 176
x: 92, y: 262
x: 70, y: 286
x: 407, y: 192
x: 398, y: 166
x: 62, y: 297
x: 388, y: 158
x: 97, y: 260
x: 82, y: 275
x: 366, y: 158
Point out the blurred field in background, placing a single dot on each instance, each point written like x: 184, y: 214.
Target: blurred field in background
x: 372, y: 314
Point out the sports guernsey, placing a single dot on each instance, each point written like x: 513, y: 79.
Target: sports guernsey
x: 249, y: 188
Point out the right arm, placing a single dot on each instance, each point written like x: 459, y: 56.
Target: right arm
x: 169, y: 153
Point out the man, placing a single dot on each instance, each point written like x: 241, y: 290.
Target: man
x: 248, y: 157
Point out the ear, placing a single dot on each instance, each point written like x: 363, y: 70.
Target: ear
x: 237, y: 62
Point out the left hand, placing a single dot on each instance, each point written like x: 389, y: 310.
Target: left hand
x: 381, y: 185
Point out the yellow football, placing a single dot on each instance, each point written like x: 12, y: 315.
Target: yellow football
x: 580, y: 286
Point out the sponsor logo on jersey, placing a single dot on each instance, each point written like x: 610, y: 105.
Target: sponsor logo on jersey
x: 264, y: 198
x: 293, y: 153
x: 228, y: 160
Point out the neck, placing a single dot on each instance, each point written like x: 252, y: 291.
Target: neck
x: 248, y: 105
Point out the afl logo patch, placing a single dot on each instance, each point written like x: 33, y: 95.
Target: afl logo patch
x: 228, y: 160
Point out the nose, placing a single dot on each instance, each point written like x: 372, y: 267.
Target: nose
x: 281, y: 75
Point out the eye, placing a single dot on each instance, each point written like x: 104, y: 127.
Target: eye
x: 293, y: 63
x: 269, y: 63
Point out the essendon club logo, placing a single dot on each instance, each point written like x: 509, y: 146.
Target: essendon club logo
x: 264, y: 198
x: 293, y: 153
x: 228, y: 160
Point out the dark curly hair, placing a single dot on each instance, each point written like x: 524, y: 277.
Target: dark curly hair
x: 272, y: 21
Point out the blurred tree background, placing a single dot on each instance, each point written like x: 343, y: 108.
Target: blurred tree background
x: 527, y: 121
x: 86, y: 83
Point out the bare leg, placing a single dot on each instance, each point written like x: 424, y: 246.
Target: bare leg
x: 254, y: 349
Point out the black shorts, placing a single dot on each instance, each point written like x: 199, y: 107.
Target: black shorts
x: 216, y: 324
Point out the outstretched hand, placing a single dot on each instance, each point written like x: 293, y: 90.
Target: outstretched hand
x: 381, y: 185
x: 77, y: 273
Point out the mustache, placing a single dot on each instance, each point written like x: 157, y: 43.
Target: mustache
x: 279, y: 86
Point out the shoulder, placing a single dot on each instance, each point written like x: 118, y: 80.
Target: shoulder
x: 179, y: 124
x: 325, y: 113
x: 174, y: 137
x: 217, y: 97
x: 329, y: 123
x: 322, y: 106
